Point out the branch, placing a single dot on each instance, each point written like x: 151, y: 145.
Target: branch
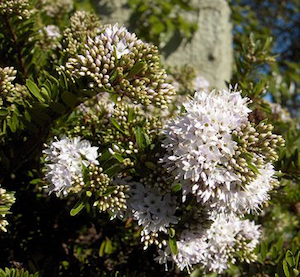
x: 17, y: 47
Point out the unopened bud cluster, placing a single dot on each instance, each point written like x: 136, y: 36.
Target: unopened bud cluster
x: 18, y: 7
x: 108, y: 196
x: 6, y: 201
x: 255, y: 146
x: 128, y: 117
x: 55, y: 8
x: 7, y: 75
x: 114, y: 202
x: 116, y: 61
x: 159, y: 179
x: 11, y: 94
x: 98, y: 181
x: 152, y: 238
x: 82, y: 26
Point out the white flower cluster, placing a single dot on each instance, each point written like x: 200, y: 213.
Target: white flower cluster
x: 152, y: 209
x: 204, y: 155
x: 228, y: 235
x: 66, y: 158
x: 50, y: 36
x: 224, y: 162
x: 118, y: 39
x: 217, y: 247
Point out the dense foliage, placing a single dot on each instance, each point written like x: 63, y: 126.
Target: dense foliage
x: 104, y: 172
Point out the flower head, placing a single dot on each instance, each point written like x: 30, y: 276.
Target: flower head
x: 152, y: 209
x: 66, y: 158
x: 218, y: 155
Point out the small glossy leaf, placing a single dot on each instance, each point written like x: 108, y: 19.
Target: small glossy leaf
x: 77, y: 208
x: 253, y: 167
x: 33, y: 88
x: 119, y: 157
x: 130, y: 115
x: 108, y: 247
x: 137, y: 68
x: 289, y: 257
x: 45, y: 94
x: 279, y: 244
x: 101, y: 249
x: 3, y: 112
x: 109, y: 190
x: 263, y: 250
x: 113, y: 170
x: 116, y: 124
x: 171, y: 232
x: 173, y: 245
x: 176, y: 187
x: 297, y: 260
x: 285, y: 268
x: 139, y: 136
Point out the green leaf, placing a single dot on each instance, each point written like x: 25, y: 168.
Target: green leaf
x: 101, y: 249
x: 285, y: 268
x: 259, y: 88
x: 263, y: 250
x: 3, y: 112
x: 113, y: 170
x: 279, y: 243
x: 140, y: 138
x: 105, y: 156
x: 176, y: 187
x: 33, y: 88
x: 77, y: 208
x: 109, y: 190
x: 171, y: 232
x: 108, y: 247
x: 173, y: 245
x: 136, y: 69
x: 150, y: 165
x: 297, y: 261
x: 13, y: 123
x: 247, y: 156
x: 289, y: 257
x: 253, y: 167
x: 45, y: 94
x: 130, y: 115
x: 70, y: 99
x: 119, y: 157
x: 63, y: 80
x: 113, y: 75
x: 115, y: 123
x: 147, y: 139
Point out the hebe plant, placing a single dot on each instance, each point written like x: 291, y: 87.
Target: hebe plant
x: 107, y: 168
